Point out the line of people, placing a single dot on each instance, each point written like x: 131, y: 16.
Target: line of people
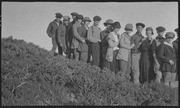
x: 144, y: 58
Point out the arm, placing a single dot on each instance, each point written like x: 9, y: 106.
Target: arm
x: 76, y: 34
x: 161, y: 54
x: 59, y: 31
x: 153, y: 48
x: 122, y: 44
x: 48, y: 31
x: 111, y: 41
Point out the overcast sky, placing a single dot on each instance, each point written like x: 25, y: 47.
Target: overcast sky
x: 29, y: 20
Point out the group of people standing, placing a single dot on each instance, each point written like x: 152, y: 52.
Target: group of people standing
x: 142, y: 57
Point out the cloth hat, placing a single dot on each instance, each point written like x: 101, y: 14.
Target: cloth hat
x: 116, y: 25
x: 129, y: 27
x: 108, y: 22
x: 79, y: 17
x: 66, y: 18
x: 169, y: 35
x: 176, y: 30
x: 59, y: 15
x: 74, y: 13
x: 149, y: 29
x: 87, y: 19
x: 140, y: 24
x: 96, y: 18
x: 160, y: 29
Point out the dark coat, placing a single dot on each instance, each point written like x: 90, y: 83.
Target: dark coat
x: 167, y: 53
x: 70, y: 32
x: 52, y: 28
x: 61, y: 36
x: 175, y: 44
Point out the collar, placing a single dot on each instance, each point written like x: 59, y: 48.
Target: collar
x: 171, y: 45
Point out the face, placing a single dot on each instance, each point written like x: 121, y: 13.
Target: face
x: 87, y: 23
x: 149, y: 33
x: 73, y: 17
x: 66, y: 22
x: 107, y: 26
x: 116, y: 30
x: 128, y: 32
x: 58, y: 19
x: 96, y: 23
x: 169, y: 40
x: 79, y: 20
x: 160, y: 33
x: 139, y: 29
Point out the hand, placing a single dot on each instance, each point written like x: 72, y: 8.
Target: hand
x: 132, y: 45
x: 99, y: 40
x: 171, y: 62
x: 83, y: 41
x: 61, y: 45
x: 157, y: 65
x: 143, y: 39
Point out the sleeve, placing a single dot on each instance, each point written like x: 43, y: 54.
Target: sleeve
x: 111, y: 41
x: 48, y: 31
x: 89, y: 35
x: 153, y: 47
x: 76, y: 34
x: 161, y: 54
x: 59, y: 31
x: 122, y: 42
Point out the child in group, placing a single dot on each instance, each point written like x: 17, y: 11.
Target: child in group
x: 167, y: 55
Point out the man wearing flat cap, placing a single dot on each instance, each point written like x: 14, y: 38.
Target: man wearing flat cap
x: 70, y: 36
x: 168, y: 57
x: 104, y: 42
x: 76, y: 36
x: 62, y: 36
x: 175, y: 44
x: 94, y: 38
x: 156, y: 45
x: 137, y: 39
x: 52, y: 31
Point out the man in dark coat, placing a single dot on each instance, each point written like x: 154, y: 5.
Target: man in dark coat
x: 175, y: 44
x: 104, y: 42
x: 70, y: 35
x: 52, y: 30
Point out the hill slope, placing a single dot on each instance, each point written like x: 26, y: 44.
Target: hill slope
x: 30, y: 76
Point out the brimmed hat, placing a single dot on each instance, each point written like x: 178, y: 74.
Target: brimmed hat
x: 150, y: 29
x: 59, y: 15
x: 87, y: 19
x: 116, y: 25
x: 108, y: 22
x: 66, y: 18
x: 140, y: 24
x: 79, y: 17
x: 129, y: 27
x: 96, y: 18
x: 160, y: 29
x: 169, y: 35
x: 74, y: 13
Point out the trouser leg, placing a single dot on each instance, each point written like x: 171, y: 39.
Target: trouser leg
x: 83, y: 56
x: 54, y: 43
x: 123, y: 66
x: 135, y: 67
x: 167, y: 78
x: 76, y: 53
x: 95, y: 53
x: 172, y: 80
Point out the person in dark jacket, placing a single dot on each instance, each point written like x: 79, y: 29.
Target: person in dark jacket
x: 52, y: 30
x: 156, y: 45
x: 104, y: 42
x: 146, y: 59
x: 175, y: 44
x: 70, y: 51
x: 168, y: 57
x: 83, y: 47
x: 62, y: 35
x: 94, y: 38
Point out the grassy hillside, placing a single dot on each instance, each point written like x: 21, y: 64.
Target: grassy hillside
x: 30, y: 76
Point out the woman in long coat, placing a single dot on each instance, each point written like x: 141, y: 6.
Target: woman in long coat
x: 113, y: 41
x: 146, y: 59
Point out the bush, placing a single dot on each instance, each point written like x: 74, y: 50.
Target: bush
x: 30, y: 76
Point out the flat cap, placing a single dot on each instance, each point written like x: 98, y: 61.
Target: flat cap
x: 74, y: 13
x: 79, y: 17
x: 160, y: 29
x: 87, y: 19
x: 140, y: 24
x: 128, y: 27
x: 66, y: 18
x: 108, y: 22
x: 59, y: 15
x: 116, y: 25
x: 176, y: 30
x: 169, y: 35
x: 96, y: 18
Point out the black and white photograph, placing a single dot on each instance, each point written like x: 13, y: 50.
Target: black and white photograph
x: 89, y: 53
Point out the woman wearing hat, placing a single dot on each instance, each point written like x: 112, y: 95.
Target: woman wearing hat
x: 112, y: 50
x: 146, y: 59
x: 124, y: 50
x: 168, y: 57
x: 104, y: 43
